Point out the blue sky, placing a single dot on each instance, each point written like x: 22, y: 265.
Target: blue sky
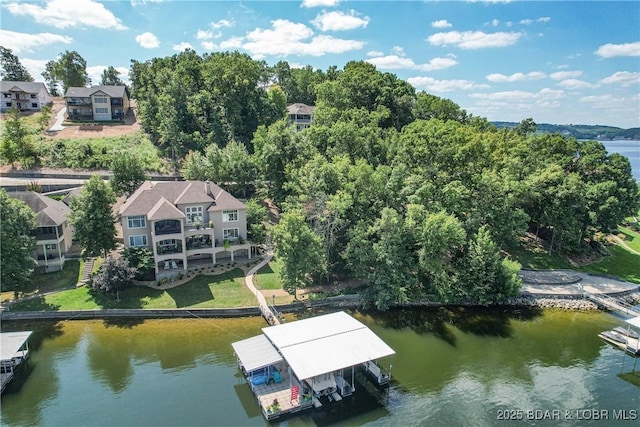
x: 557, y: 62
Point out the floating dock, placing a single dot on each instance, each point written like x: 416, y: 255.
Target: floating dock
x: 626, y: 340
x: 290, y: 367
x: 14, y: 349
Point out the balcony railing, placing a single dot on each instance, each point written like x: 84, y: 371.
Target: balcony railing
x: 78, y: 102
x: 164, y: 250
x: 199, y: 244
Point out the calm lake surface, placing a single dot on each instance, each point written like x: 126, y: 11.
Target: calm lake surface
x: 452, y: 367
x: 630, y: 149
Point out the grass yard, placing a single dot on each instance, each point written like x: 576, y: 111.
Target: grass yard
x: 268, y: 277
x: 621, y: 263
x: 221, y: 291
x: 538, y: 258
x: 630, y: 237
x: 43, y: 283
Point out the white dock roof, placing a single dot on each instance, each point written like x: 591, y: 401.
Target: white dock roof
x: 634, y: 321
x: 256, y: 352
x: 10, y: 343
x: 326, y: 343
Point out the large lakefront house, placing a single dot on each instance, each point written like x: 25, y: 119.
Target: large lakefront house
x: 186, y: 224
x: 24, y: 96
x: 53, y: 232
x: 99, y: 103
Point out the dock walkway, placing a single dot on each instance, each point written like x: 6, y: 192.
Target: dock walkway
x: 612, y: 304
x: 267, y: 312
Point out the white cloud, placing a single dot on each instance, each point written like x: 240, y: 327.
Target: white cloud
x: 398, y: 50
x: 95, y: 73
x: 135, y: 3
x: 182, y: 46
x: 444, y: 85
x: 232, y: 43
x: 290, y: 38
x: 207, y: 35
x: 611, y: 50
x: 35, y: 67
x: 23, y: 42
x: 516, y: 77
x: 563, y: 75
x: 223, y: 23
x: 340, y: 21
x: 207, y: 45
x: 375, y: 53
x: 526, y: 21
x: 148, y: 40
x: 622, y: 78
x: 394, y: 62
x: 317, y: 3
x: 576, y: 84
x: 544, y: 19
x: 69, y: 13
x: 441, y: 23
x: 495, y: 22
x: 473, y: 39
x: 543, y: 95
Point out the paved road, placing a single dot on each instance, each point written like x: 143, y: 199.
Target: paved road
x: 569, y: 282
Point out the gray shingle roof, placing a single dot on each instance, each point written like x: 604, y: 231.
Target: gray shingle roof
x: 144, y: 201
x: 300, y: 108
x: 85, y: 92
x: 28, y: 87
x: 49, y: 212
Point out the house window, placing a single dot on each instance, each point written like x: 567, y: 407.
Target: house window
x: 33, y: 96
x: 34, y: 105
x: 51, y: 246
x: 100, y: 100
x: 137, y: 221
x: 230, y: 233
x: 102, y: 110
x: 194, y: 214
x: 230, y: 216
x: 140, y: 240
x: 8, y: 104
x: 7, y: 95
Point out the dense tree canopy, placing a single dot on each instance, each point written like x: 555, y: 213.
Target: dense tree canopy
x: 17, y: 221
x: 404, y: 190
x: 111, y: 77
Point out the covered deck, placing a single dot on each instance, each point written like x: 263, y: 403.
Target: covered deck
x: 315, y: 358
x: 14, y: 349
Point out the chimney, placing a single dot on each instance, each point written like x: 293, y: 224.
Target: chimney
x: 207, y: 188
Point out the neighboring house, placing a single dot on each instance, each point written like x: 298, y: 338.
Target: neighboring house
x: 97, y: 103
x: 300, y: 115
x: 25, y: 96
x: 53, y: 233
x: 185, y: 224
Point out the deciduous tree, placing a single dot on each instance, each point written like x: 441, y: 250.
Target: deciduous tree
x: 93, y: 218
x: 111, y: 77
x: 127, y: 173
x: 10, y: 67
x: 17, y: 221
x: 114, y: 275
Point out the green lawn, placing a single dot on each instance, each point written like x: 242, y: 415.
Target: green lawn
x: 538, y: 259
x: 67, y: 278
x: 268, y: 277
x: 621, y: 263
x: 221, y: 291
x: 631, y: 238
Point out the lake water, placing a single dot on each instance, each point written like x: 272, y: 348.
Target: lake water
x: 452, y: 367
x: 630, y: 149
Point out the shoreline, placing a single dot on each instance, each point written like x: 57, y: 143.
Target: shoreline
x: 569, y: 303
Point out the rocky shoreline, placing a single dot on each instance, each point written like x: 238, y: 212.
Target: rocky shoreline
x: 566, y: 303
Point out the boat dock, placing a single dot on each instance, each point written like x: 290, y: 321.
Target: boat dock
x: 14, y: 349
x: 291, y: 367
x: 626, y: 340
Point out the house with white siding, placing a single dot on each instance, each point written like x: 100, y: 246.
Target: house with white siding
x: 185, y: 224
x: 24, y: 96
x: 300, y: 115
x: 97, y: 103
